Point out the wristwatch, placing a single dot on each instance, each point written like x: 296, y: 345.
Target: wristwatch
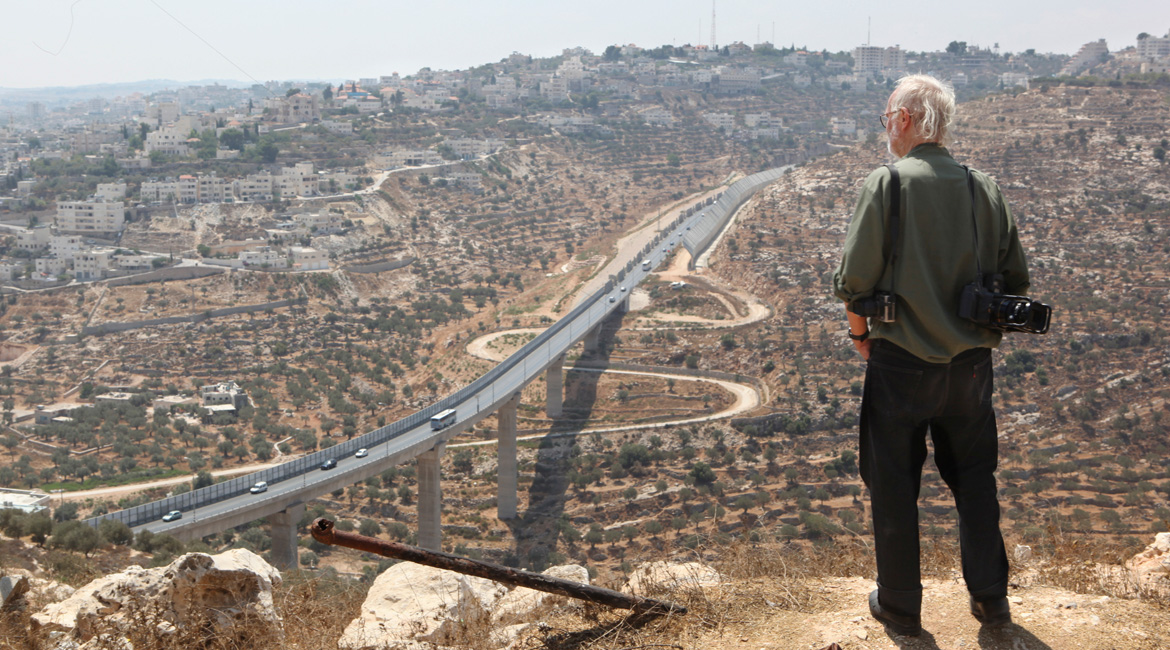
x: 859, y: 337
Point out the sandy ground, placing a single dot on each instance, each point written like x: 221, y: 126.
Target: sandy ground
x: 1044, y: 618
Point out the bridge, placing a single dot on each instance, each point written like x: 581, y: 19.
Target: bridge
x: 291, y: 485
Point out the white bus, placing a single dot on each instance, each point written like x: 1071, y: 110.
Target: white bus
x: 442, y: 419
x: 645, y: 265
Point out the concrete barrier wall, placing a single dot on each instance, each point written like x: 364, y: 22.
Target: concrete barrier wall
x: 162, y: 275
x: 107, y: 328
x: 378, y: 267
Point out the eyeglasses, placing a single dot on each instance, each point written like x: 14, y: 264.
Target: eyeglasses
x: 884, y: 118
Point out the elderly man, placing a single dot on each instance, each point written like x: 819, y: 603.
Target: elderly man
x: 927, y: 368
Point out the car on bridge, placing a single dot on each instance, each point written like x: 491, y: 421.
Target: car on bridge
x: 172, y: 515
x: 262, y: 486
x: 329, y: 464
x: 362, y: 453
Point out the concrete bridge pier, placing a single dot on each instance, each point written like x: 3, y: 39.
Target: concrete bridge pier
x: 284, y: 536
x: 430, y: 499
x: 555, y: 388
x: 507, y: 475
x: 592, y: 339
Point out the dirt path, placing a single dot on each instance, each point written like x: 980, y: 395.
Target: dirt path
x: 746, y: 399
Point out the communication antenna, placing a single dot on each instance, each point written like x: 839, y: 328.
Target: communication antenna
x: 712, y: 24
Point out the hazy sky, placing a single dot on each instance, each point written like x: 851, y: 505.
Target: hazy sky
x: 74, y: 42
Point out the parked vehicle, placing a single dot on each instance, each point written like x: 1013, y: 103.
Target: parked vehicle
x: 362, y: 453
x: 329, y: 464
x: 172, y: 515
x: 262, y: 486
x: 443, y: 419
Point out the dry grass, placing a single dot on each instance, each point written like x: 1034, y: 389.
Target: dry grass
x: 760, y: 579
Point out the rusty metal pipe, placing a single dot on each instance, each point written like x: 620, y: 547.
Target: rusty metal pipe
x: 324, y: 532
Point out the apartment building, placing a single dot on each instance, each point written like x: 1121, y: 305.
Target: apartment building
x: 111, y: 191
x: 298, y: 180
x: 255, y: 187
x: 296, y: 108
x: 868, y: 59
x: 1153, y: 48
x: 90, y: 216
x: 168, y: 141
x: 92, y: 264
x: 1089, y: 55
x: 34, y: 238
x: 725, y: 121
x: 65, y: 247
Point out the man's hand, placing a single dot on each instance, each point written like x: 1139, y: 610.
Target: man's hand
x: 864, y: 347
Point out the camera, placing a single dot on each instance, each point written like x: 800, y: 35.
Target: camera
x: 880, y: 306
x: 984, y: 303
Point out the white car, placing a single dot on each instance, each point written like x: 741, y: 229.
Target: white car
x: 623, y: 289
x: 262, y: 486
x: 172, y: 515
x: 362, y: 453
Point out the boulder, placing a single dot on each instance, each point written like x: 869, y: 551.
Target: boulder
x: 1154, y: 559
x: 666, y: 577
x: 521, y: 602
x: 415, y: 607
x: 200, y: 590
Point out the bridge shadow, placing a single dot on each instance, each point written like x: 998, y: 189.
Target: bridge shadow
x: 537, y: 529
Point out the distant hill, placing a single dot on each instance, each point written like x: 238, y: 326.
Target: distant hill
x: 60, y: 94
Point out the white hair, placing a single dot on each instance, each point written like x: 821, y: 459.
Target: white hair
x: 930, y: 102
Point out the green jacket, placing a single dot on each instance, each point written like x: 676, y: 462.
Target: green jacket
x: 937, y: 257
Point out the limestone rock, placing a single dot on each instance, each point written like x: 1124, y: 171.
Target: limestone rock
x: 1155, y: 558
x: 221, y: 590
x: 659, y: 577
x: 522, y: 601
x: 414, y: 607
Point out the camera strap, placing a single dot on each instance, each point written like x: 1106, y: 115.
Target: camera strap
x: 893, y: 243
x: 974, y: 222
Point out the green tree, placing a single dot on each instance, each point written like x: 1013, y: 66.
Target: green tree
x: 76, y: 537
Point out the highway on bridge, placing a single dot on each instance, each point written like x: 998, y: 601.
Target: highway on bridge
x: 213, y: 509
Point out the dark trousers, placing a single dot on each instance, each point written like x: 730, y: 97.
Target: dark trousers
x: 903, y: 398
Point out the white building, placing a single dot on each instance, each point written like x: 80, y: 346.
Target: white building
x: 843, y: 125
x: 50, y: 267
x: 725, y: 121
x: 263, y: 257
x: 34, y: 238
x: 227, y: 392
x: 308, y: 259
x: 92, y: 264
x: 1011, y: 79
x: 297, y: 108
x: 871, y: 58
x: 111, y: 191
x: 1088, y: 56
x: 90, y: 217
x: 168, y: 141
x: 1152, y: 48
x: 65, y: 247
x: 298, y: 180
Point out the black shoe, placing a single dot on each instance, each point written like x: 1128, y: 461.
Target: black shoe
x: 995, y: 612
x: 899, y: 623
